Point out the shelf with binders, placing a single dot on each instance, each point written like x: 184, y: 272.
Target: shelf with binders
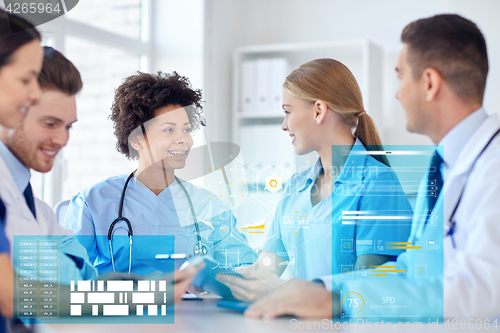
x: 259, y: 72
x: 258, y: 75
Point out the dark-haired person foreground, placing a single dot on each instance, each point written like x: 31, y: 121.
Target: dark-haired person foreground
x: 442, y: 70
x: 20, y: 63
x: 153, y: 116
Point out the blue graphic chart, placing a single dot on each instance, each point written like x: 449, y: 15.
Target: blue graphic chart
x: 37, y: 281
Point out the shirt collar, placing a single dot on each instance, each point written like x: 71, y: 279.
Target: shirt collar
x: 452, y: 143
x: 312, y: 175
x: 19, y: 172
x: 356, y: 158
x: 354, y: 165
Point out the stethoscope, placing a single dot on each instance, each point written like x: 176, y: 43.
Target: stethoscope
x: 198, y: 250
x: 451, y: 222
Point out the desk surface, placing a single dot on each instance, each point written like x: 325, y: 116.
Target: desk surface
x: 205, y: 316
x: 190, y: 316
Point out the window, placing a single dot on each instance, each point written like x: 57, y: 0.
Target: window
x: 90, y: 155
x: 107, y: 41
x: 125, y: 18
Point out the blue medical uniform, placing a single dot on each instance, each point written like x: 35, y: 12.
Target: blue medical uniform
x: 4, y: 249
x: 316, y: 240
x: 92, y: 211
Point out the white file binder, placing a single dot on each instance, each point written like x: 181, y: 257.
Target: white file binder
x: 248, y: 84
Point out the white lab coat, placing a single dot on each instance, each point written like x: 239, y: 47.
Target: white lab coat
x: 471, y: 279
x: 73, y: 259
x: 472, y: 269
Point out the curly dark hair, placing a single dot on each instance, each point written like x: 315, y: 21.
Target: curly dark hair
x: 140, y: 95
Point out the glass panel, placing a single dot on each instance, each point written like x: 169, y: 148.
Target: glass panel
x: 122, y: 17
x: 91, y: 156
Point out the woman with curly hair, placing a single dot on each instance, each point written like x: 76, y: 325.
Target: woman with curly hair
x: 153, y: 116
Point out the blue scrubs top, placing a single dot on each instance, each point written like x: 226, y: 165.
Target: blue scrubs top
x: 321, y: 240
x: 4, y: 249
x: 92, y: 211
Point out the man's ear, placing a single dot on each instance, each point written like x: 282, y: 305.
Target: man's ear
x: 432, y: 82
x: 320, y: 111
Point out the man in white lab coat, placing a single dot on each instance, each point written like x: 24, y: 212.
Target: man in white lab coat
x: 34, y: 145
x: 442, y: 70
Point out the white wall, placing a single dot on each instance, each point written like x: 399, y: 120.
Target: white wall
x: 233, y: 23
x: 178, y: 38
x: 178, y: 42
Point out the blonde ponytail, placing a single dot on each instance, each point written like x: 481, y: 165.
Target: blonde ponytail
x: 331, y: 81
x: 367, y: 133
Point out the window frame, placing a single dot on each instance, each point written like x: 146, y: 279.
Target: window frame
x: 56, y: 31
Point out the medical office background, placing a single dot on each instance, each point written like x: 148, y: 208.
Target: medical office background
x: 211, y: 42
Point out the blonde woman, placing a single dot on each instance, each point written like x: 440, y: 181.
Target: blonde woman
x: 324, y: 112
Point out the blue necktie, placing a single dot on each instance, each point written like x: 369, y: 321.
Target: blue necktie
x: 2, y: 211
x: 435, y: 182
x: 28, y: 195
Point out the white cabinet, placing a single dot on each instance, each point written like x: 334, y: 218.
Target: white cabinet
x: 257, y: 128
